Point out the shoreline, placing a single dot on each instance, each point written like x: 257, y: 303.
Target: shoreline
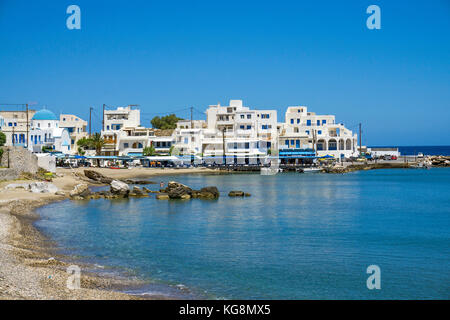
x: 31, y: 268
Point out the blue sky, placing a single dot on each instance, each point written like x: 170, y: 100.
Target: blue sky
x: 169, y: 55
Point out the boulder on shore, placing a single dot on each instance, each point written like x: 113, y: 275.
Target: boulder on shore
x: 43, y: 187
x: 80, y: 190
x: 119, y: 187
x: 96, y: 176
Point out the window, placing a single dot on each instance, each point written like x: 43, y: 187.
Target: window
x: 286, y: 142
x: 242, y: 116
x: 318, y: 122
x: 249, y: 127
x: 107, y: 127
x: 298, y: 121
x: 247, y: 145
x: 264, y: 126
x: 48, y: 124
x: 292, y: 142
x: 10, y: 124
x: 308, y: 122
x: 324, y: 122
x: 125, y: 145
x: 15, y: 124
x: 307, y: 132
x: 72, y: 141
x: 292, y: 121
x: 297, y: 143
x: 39, y: 125
x: 249, y: 116
x: 319, y: 132
x: 140, y: 145
x: 242, y: 127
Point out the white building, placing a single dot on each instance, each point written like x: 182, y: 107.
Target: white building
x: 122, y: 131
x: 239, y: 131
x: 320, y: 133
x: 189, y: 137
x: 76, y: 128
x: 14, y: 125
x: 45, y: 132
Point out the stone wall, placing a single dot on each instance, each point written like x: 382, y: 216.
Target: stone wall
x: 8, y: 174
x: 19, y: 159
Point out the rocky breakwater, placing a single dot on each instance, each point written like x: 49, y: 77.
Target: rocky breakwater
x: 439, y: 161
x: 100, y: 178
x: 176, y: 190
x: 365, y: 166
x: 117, y: 190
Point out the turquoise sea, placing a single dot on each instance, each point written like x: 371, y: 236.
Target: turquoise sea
x: 299, y: 236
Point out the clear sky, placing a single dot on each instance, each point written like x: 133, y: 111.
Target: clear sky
x: 169, y: 55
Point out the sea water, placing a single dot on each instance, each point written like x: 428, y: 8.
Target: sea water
x: 299, y: 236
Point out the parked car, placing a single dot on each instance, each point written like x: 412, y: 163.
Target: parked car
x: 394, y: 158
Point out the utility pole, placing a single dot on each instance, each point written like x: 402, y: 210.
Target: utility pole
x: 192, y: 126
x: 90, y: 120
x: 103, y: 118
x: 223, y: 145
x: 27, y: 125
x: 314, y: 142
x: 360, y: 140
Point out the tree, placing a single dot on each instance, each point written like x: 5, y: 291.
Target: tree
x: 96, y: 142
x: 149, y: 151
x: 83, y: 142
x: 2, y: 139
x: 81, y: 151
x: 166, y: 122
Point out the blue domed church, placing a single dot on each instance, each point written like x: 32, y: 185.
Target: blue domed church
x: 46, y: 133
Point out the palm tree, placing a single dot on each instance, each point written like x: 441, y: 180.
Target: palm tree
x: 149, y: 151
x: 97, y: 142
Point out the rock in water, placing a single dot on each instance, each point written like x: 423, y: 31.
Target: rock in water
x: 43, y: 187
x: 176, y: 185
x: 137, y: 192
x: 119, y: 187
x: 162, y: 196
x: 80, y: 190
x: 235, y: 193
x: 210, y: 190
x: 179, y: 192
x: 144, y: 189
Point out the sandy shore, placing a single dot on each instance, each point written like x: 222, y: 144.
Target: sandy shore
x: 30, y: 268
